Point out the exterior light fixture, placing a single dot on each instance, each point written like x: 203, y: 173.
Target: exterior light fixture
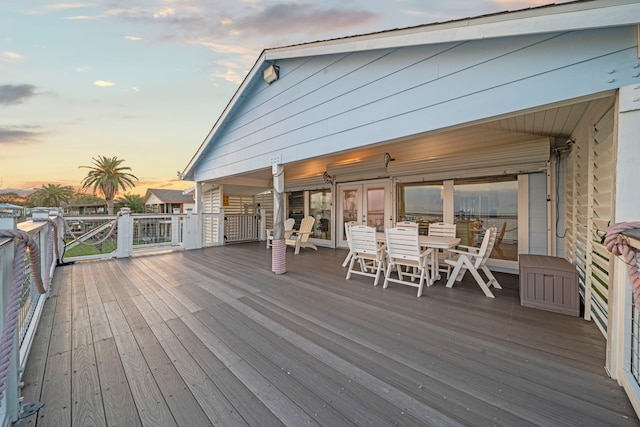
x: 327, y: 178
x: 271, y: 73
x: 387, y: 159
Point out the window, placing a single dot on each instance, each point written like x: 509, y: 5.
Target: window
x: 295, y: 207
x: 482, y: 203
x: 421, y: 203
x: 320, y: 209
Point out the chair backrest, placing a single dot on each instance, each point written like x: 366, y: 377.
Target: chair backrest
x: 402, y: 243
x: 363, y: 239
x: 442, y: 229
x: 289, y: 223
x: 486, y: 247
x: 347, y: 227
x: 305, y: 228
x: 407, y: 224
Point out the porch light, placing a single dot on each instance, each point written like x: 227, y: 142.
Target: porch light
x: 387, y: 159
x: 271, y: 73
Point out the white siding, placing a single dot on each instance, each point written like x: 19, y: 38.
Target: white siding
x: 338, y: 102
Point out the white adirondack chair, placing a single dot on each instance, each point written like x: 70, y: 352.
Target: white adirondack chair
x: 403, y: 250
x: 443, y: 229
x: 288, y: 229
x: 366, y: 253
x: 475, y: 259
x: 300, y: 238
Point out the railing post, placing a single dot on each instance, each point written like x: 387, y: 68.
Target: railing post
x: 192, y: 230
x: 125, y: 234
x: 262, y: 224
x: 221, y: 227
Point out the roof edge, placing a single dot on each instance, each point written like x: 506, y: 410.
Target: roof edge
x: 572, y: 16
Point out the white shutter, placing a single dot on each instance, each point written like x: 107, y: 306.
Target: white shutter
x: 594, y: 163
x: 211, y: 204
x: 506, y: 159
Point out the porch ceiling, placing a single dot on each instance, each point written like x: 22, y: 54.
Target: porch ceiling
x: 558, y: 121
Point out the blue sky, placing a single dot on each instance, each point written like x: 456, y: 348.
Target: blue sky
x: 146, y: 80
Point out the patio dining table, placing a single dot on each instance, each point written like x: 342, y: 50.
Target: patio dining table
x: 435, y: 242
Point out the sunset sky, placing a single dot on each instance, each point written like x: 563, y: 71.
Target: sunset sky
x: 146, y: 80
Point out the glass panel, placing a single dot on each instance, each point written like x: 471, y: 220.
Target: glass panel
x: 483, y: 204
x: 375, y: 208
x: 349, y: 208
x: 421, y: 203
x: 320, y: 209
x: 295, y: 207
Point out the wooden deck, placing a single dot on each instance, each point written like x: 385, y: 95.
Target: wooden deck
x: 211, y: 336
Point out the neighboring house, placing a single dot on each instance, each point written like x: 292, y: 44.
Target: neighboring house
x: 526, y: 120
x: 168, y: 201
x: 80, y: 208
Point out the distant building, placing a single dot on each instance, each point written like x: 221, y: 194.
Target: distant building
x: 168, y: 201
x: 82, y: 208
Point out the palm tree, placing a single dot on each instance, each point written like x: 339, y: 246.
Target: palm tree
x: 107, y: 176
x: 132, y: 201
x: 51, y: 195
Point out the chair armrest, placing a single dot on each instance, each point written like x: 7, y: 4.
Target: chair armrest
x: 469, y: 248
x: 459, y: 252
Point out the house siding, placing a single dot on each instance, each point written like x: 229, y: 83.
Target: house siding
x: 339, y: 102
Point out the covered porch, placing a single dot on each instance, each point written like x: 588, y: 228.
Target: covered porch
x: 211, y: 336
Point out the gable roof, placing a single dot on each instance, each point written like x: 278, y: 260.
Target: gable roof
x: 573, y: 16
x: 169, y: 196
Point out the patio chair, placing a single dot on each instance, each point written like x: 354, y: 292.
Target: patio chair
x: 407, y: 224
x: 443, y: 229
x: 288, y: 229
x: 403, y: 250
x: 300, y: 238
x: 347, y: 226
x: 475, y: 259
x: 368, y: 254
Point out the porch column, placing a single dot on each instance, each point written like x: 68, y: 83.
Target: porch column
x: 278, y: 247
x: 625, y: 210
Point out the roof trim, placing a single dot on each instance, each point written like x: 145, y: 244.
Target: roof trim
x: 189, y: 172
x: 573, y: 16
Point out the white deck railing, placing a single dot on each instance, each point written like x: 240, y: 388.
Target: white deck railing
x: 81, y: 238
x: 30, y: 308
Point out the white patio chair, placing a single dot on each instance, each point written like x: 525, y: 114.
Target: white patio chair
x: 300, y: 238
x: 403, y: 250
x: 475, y: 259
x: 347, y: 226
x: 368, y: 254
x: 443, y: 229
x: 407, y: 224
x: 288, y: 229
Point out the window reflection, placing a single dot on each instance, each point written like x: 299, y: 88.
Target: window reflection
x: 421, y: 203
x: 485, y: 203
x: 320, y: 209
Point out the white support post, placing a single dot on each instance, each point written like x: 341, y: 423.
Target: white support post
x: 125, y: 234
x: 278, y: 246
x: 192, y: 230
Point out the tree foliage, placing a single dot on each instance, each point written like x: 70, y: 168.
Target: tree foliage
x: 132, y: 201
x: 51, y: 195
x: 107, y: 176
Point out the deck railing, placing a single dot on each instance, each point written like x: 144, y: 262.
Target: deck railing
x: 31, y: 304
x: 126, y: 234
x: 80, y: 238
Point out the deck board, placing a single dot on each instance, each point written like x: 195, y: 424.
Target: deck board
x: 213, y: 337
